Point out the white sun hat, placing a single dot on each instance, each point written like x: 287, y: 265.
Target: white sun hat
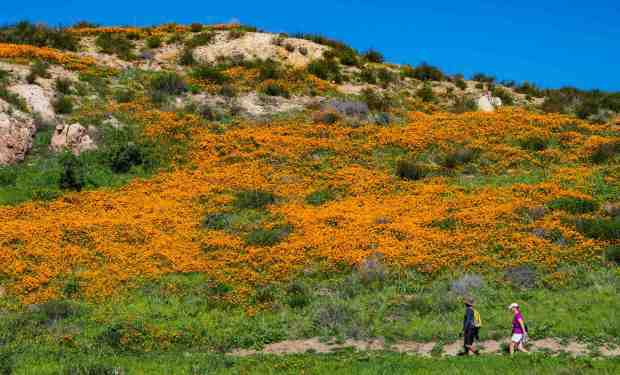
x: 513, y: 305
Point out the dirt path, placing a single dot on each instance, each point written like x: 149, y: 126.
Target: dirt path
x: 315, y: 345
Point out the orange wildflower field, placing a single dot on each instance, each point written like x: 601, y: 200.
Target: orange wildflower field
x: 114, y: 238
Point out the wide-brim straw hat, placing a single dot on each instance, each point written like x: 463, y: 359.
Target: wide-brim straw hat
x: 468, y: 301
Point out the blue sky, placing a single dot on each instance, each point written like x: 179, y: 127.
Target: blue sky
x: 550, y: 42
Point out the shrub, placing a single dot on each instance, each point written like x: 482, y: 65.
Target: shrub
x: 504, y: 95
x: 72, y: 175
x: 236, y: 34
x: 333, y: 316
x: 115, y: 44
x: 175, y: 38
x: 268, y: 69
x: 601, y: 229
x: 348, y: 57
x: 523, y: 277
x: 426, y: 93
x: 481, y: 77
x: 169, y: 83
x: 466, y: 285
x: 376, y: 101
x: 573, y: 205
x: 461, y: 84
x: 63, y: 86
x: 275, y: 89
x: 153, y: 42
x: 326, y: 117
x: 534, y: 143
x: 268, y: 237
x: 217, y: 221
x: 530, y: 89
x: 124, y: 95
x: 186, y: 58
x: 38, y: 69
x: 228, y: 91
x: 368, y: 75
x: 372, y: 270
x: 605, y: 152
x: 195, y: 27
x: 298, y: 295
x: 462, y: 105
x: 410, y: 170
x: 255, y: 199
x: 39, y: 35
x: 425, y: 72
x: 458, y: 156
x: 373, y: 56
x: 612, y: 254
x: 63, y: 105
x: 7, y: 363
x: 8, y: 176
x: 201, y: 39
x: 320, y: 197
x: 210, y: 74
x: 125, y: 156
x: 13, y: 98
x: 55, y: 310
x: 385, y: 76
x: 349, y: 107
x: 325, y: 69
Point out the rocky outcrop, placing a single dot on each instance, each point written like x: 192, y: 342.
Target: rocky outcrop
x: 37, y: 99
x: 488, y: 104
x: 72, y: 137
x: 16, y: 135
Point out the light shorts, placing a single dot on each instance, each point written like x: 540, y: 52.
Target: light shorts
x: 517, y: 337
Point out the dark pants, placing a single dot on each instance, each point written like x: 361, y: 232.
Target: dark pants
x: 470, y: 335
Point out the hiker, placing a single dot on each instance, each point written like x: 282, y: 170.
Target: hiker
x: 519, y: 330
x: 471, y: 327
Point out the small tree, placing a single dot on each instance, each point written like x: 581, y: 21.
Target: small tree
x: 72, y: 175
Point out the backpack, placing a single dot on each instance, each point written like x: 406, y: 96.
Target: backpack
x: 477, y: 319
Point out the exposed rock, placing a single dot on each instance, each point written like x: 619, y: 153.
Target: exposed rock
x: 262, y: 46
x: 16, y: 135
x: 488, y: 103
x: 73, y: 137
x: 38, y: 100
x: 114, y: 123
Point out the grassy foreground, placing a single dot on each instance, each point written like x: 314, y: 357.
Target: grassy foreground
x: 340, y: 363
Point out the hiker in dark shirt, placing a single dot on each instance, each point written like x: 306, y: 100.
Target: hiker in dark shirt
x: 470, y: 331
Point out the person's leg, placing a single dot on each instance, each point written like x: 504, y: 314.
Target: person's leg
x: 511, y: 347
x: 521, y: 347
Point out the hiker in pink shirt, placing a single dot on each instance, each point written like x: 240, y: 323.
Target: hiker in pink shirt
x: 519, y: 330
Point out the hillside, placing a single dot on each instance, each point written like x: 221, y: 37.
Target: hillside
x: 182, y: 192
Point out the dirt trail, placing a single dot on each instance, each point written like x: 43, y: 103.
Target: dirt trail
x: 315, y: 345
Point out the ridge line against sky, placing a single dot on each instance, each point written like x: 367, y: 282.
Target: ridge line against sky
x: 552, y: 43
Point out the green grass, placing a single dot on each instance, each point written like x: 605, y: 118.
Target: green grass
x: 346, y: 362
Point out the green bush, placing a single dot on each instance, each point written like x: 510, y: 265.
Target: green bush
x: 504, y: 95
x: 255, y: 199
x: 298, y: 295
x: 534, y: 143
x: 268, y: 69
x: 211, y: 74
x: 573, y: 205
x: 461, y: 84
x: 600, y: 229
x: 63, y: 86
x: 325, y: 69
x: 275, y: 89
x: 462, y: 105
x: 7, y: 362
x: 201, y: 39
x: 13, y: 98
x: 124, y: 95
x: 63, y: 105
x: 153, y: 42
x: 268, y: 237
x: 348, y: 57
x: 373, y: 56
x: 72, y: 175
x: 8, y: 176
x: 410, y: 170
x: 426, y: 93
x: 612, y: 254
x: 483, y: 78
x: 604, y: 152
x: 38, y: 69
x: 186, y: 58
x: 169, y: 83
x: 458, y: 156
x: 38, y: 35
x: 125, y: 156
x: 376, y: 101
x: 368, y: 75
x: 424, y: 72
x: 217, y: 221
x: 320, y: 197
x: 115, y: 44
